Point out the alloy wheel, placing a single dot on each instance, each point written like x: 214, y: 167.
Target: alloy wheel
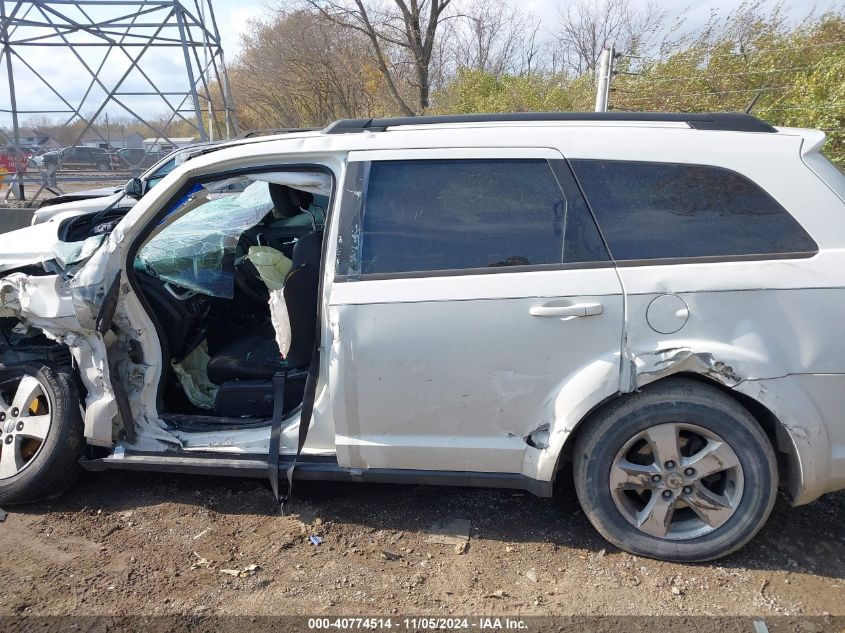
x: 676, y: 481
x: 25, y: 420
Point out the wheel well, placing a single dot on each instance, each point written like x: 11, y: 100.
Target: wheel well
x: 767, y: 420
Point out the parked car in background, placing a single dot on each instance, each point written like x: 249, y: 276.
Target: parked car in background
x: 95, y: 200
x: 646, y: 304
x: 138, y: 158
x: 80, y: 157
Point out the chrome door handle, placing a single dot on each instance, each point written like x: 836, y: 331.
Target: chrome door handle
x: 573, y: 310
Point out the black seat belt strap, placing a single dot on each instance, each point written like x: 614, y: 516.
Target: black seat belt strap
x: 305, y: 415
x: 276, y: 430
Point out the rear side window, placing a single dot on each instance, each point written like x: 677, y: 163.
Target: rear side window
x: 666, y: 210
x: 436, y: 215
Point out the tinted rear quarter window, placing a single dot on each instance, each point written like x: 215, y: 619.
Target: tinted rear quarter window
x: 665, y: 210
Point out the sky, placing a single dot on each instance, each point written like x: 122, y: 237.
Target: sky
x: 65, y: 73
x: 236, y: 14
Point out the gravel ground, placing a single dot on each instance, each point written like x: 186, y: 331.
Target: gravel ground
x: 124, y: 543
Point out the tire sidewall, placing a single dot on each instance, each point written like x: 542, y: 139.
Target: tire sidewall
x: 750, y: 447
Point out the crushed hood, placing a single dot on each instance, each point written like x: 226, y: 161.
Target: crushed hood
x: 27, y: 246
x: 78, y: 207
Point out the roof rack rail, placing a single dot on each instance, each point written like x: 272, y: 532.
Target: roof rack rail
x: 281, y: 130
x: 725, y: 121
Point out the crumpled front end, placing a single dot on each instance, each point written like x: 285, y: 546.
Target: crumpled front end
x: 45, y: 305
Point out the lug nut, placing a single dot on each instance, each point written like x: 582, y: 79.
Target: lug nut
x: 689, y: 472
x: 667, y: 494
x: 15, y: 413
x: 687, y: 490
x: 656, y: 478
x: 670, y: 464
x: 19, y: 427
x: 2, y: 417
x: 9, y: 439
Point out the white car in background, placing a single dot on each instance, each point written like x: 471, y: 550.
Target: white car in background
x: 648, y: 304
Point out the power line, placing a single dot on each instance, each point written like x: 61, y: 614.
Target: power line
x: 713, y: 93
x: 803, y: 107
x: 794, y: 49
x: 740, y: 74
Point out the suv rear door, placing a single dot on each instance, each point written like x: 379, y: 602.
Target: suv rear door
x: 474, y: 306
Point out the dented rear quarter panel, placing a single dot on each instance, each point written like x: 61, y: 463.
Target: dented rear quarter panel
x: 767, y: 328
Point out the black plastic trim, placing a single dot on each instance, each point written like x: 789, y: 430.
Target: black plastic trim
x: 464, y: 272
x: 312, y: 468
x: 723, y: 121
x: 713, y: 259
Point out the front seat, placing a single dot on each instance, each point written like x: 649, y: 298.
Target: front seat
x: 288, y: 202
x: 256, y: 356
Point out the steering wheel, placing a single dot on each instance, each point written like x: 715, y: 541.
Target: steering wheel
x: 249, y: 282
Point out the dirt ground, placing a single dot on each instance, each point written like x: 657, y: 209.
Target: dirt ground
x: 140, y: 543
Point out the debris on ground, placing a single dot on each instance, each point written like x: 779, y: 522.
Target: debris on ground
x: 200, y: 562
x: 249, y: 570
x: 451, y: 531
x: 315, y: 540
x: 2, y: 515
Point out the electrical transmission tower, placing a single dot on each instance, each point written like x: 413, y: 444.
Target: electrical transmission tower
x: 158, y: 62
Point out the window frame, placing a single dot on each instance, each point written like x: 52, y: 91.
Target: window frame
x: 694, y: 259
x: 354, y: 196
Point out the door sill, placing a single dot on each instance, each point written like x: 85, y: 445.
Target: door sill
x: 311, y: 468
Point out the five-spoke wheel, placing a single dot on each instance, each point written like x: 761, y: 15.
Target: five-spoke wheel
x: 24, y: 423
x: 676, y: 481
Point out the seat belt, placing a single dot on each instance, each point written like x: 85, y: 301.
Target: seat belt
x: 304, y: 422
x: 279, y: 380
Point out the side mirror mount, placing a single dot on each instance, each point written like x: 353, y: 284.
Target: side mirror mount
x: 134, y: 188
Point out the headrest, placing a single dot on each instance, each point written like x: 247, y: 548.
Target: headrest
x: 288, y: 202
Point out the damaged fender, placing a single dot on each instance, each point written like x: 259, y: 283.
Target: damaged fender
x: 52, y: 305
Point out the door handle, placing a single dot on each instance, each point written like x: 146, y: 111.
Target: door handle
x: 573, y: 310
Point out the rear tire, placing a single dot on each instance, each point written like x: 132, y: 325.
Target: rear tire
x: 704, y: 501
x: 42, y: 441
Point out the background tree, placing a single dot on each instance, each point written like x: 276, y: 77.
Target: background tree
x: 585, y: 27
x: 493, y: 37
x: 299, y: 70
x: 403, y: 37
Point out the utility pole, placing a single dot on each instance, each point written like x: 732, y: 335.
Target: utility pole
x: 605, y: 73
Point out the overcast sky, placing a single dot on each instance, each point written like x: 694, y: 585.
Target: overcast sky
x: 233, y: 16
x: 65, y: 74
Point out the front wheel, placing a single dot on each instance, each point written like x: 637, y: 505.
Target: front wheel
x: 41, y: 432
x: 679, y: 471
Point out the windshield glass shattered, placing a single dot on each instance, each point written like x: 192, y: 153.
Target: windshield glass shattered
x: 197, y: 251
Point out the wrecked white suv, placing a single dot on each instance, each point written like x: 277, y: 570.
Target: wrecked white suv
x: 647, y: 303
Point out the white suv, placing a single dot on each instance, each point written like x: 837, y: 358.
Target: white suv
x: 647, y: 303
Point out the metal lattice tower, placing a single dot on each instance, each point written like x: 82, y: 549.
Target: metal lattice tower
x: 158, y: 61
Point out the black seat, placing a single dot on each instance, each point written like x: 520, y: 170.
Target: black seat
x: 253, y: 356
x: 256, y: 356
x: 289, y: 202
